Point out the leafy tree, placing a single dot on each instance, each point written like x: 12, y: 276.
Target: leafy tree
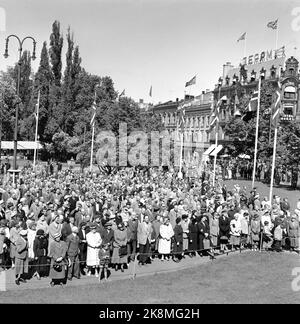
x: 43, y: 80
x: 56, y: 44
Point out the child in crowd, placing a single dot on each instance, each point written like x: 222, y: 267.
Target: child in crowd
x: 104, y: 257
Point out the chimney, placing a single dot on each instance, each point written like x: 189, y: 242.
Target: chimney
x: 177, y: 99
x: 226, y: 68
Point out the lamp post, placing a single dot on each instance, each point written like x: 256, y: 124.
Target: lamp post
x: 20, y: 49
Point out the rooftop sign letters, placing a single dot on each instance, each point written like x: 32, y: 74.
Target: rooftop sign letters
x: 264, y: 56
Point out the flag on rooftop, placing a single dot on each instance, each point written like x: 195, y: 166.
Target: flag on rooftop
x: 243, y: 37
x: 191, y: 82
x: 273, y: 24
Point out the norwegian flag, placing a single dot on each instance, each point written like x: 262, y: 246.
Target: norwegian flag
x: 273, y: 24
x: 276, y: 106
x: 214, y: 117
x: 94, y: 107
x: 253, y: 103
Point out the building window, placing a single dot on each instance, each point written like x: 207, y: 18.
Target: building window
x: 289, y: 95
x: 288, y: 111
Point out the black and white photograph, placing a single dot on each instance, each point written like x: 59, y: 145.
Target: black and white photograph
x: 149, y: 155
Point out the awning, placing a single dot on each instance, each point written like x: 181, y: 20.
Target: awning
x: 210, y: 149
x: 21, y: 145
x: 217, y: 150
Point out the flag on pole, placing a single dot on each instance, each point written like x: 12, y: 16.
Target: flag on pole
x: 150, y: 92
x: 273, y: 24
x: 214, y: 117
x: 252, y: 106
x: 276, y: 106
x: 280, y: 52
x: 36, y: 112
x: 243, y: 37
x: 94, y: 107
x: 191, y: 82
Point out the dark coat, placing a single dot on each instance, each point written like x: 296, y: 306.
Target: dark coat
x: 224, y: 225
x: 82, y: 244
x: 40, y: 249
x: 193, y: 236
x: 203, y: 229
x: 73, y: 245
x: 178, y: 239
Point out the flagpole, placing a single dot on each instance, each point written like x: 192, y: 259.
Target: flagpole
x: 92, y: 146
x: 180, y: 156
x: 36, y: 128
x: 216, y: 139
x: 245, y: 46
x: 276, y: 37
x: 256, y: 134
x: 273, y: 164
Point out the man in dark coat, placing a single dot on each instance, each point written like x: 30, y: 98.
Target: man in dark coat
x: 178, y: 241
x: 193, y: 236
x: 72, y: 242
x: 84, y: 229
x: 132, y: 237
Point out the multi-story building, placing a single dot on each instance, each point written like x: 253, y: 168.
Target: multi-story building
x: 196, y: 125
x: 235, y: 83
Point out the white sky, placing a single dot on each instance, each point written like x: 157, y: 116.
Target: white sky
x: 162, y: 43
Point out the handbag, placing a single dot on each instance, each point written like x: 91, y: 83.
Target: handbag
x: 123, y: 250
x: 57, y: 267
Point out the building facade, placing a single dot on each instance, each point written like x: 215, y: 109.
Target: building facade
x: 238, y: 83
x: 196, y: 121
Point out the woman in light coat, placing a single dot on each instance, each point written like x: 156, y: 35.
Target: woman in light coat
x: 120, y: 242
x: 94, y: 242
x: 166, y: 233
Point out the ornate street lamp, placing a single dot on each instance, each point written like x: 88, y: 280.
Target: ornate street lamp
x: 20, y: 49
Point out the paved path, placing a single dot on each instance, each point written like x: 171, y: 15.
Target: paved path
x: 156, y: 267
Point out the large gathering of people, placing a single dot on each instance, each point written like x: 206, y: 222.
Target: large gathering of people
x: 64, y: 224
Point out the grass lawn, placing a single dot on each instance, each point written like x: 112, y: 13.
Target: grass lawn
x: 264, y: 190
x: 249, y: 277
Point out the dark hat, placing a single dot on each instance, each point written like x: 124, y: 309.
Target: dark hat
x: 185, y: 216
x: 93, y: 225
x: 178, y: 220
x: 40, y: 232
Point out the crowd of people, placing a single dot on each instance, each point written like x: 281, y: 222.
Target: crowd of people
x: 65, y: 224
x: 243, y: 169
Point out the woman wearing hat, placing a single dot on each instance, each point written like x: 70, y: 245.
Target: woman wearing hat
x: 13, y: 236
x: 166, y: 233
x: 40, y: 248
x: 119, y: 256
x: 21, y: 257
x: 293, y: 233
x: 58, y: 265
x: 94, y: 241
x: 255, y: 226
